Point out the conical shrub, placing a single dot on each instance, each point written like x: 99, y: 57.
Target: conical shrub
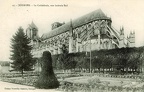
x: 47, y: 79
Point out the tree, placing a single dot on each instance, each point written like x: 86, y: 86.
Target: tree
x: 135, y: 61
x: 47, y: 79
x: 59, y: 64
x: 64, y: 58
x: 21, y: 52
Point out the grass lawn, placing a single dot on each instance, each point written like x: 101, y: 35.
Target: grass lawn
x: 127, y: 82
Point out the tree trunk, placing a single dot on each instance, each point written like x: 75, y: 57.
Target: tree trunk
x: 22, y: 73
x: 99, y: 70
x: 126, y: 70
x: 103, y: 69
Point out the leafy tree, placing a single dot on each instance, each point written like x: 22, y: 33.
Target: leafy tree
x: 86, y: 63
x: 21, y: 52
x: 80, y: 62
x: 135, y: 61
x: 59, y: 64
x: 4, y: 63
x: 96, y: 63
x: 64, y: 57
x: 116, y: 60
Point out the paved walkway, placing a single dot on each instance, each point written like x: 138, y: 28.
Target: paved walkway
x: 10, y: 87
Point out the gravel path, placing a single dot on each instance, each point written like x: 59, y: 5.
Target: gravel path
x: 10, y: 87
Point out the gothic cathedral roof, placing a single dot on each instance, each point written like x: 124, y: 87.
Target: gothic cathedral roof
x: 95, y: 15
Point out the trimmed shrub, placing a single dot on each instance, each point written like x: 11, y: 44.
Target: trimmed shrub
x: 47, y: 79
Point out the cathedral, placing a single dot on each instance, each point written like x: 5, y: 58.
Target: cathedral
x: 93, y: 31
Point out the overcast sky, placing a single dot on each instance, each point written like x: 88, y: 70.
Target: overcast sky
x: 126, y: 13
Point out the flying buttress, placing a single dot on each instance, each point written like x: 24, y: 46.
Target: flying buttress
x: 116, y: 42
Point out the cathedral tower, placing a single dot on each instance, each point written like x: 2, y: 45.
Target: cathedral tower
x: 121, y: 42
x: 131, y: 39
x: 32, y: 31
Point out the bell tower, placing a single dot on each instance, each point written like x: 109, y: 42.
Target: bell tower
x: 121, y: 42
x: 32, y: 31
x: 131, y: 39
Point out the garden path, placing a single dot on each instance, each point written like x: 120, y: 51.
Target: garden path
x: 10, y: 87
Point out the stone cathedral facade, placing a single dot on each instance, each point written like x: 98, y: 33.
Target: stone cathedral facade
x: 93, y: 31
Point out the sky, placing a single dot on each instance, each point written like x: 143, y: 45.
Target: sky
x: 126, y: 13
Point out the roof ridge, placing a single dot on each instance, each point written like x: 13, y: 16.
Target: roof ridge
x: 94, y: 15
